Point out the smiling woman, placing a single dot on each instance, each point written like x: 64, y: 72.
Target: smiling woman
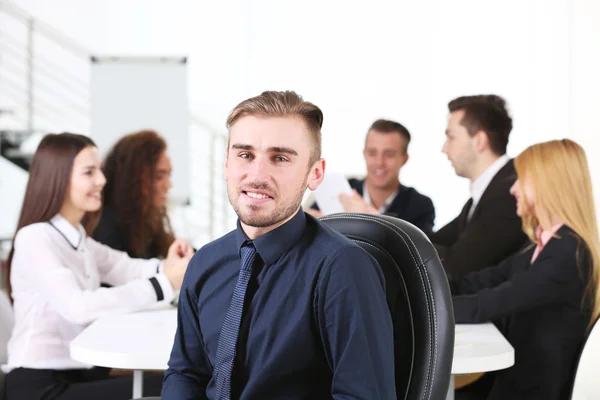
x: 55, y: 274
x: 134, y: 218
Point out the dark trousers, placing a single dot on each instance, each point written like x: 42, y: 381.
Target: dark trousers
x: 94, y: 384
x: 478, y: 390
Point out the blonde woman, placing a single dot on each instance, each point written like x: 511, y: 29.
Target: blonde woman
x: 548, y: 292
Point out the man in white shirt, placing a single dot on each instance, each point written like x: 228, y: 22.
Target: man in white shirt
x: 488, y: 229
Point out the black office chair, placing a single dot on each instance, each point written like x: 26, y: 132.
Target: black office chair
x: 418, y: 296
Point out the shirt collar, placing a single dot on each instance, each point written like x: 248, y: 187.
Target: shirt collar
x: 272, y: 245
x: 70, y: 233
x: 480, y: 184
x: 543, y: 236
x: 386, y: 204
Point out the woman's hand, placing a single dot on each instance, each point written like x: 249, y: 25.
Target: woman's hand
x: 175, y: 265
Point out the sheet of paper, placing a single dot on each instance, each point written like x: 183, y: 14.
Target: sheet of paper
x: 327, y: 194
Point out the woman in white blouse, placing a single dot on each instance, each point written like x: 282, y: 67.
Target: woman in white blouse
x: 55, y: 270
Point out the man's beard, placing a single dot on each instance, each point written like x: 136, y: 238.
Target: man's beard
x: 258, y: 220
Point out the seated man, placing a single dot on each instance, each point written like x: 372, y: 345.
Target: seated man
x: 488, y: 229
x: 283, y: 307
x: 386, y: 151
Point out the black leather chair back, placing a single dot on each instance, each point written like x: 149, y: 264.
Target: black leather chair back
x: 418, y: 296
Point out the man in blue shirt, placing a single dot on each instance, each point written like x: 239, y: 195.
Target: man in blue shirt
x: 282, y: 307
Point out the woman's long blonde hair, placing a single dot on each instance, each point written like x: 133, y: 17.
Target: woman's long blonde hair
x: 559, y: 173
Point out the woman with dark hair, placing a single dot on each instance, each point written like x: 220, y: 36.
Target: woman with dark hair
x: 134, y: 218
x: 55, y: 270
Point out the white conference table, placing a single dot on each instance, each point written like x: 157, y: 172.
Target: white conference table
x: 138, y: 341
x: 479, y: 348
x: 143, y: 340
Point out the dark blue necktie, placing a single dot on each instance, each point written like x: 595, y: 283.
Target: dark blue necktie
x: 231, y: 326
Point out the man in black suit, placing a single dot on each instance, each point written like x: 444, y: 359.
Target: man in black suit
x: 385, y: 152
x: 488, y: 229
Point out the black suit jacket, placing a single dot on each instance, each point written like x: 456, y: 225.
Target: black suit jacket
x: 493, y: 233
x: 546, y: 311
x: 408, y: 205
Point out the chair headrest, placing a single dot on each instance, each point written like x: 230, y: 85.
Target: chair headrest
x: 385, y: 230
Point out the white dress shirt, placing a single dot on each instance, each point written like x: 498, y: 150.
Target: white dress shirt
x: 385, y: 205
x: 478, y: 187
x: 55, y: 276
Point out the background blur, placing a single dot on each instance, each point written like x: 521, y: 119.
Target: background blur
x: 358, y: 61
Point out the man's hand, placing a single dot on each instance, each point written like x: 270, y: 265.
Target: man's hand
x: 355, y: 203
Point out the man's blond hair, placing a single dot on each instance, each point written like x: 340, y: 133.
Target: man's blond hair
x: 282, y: 104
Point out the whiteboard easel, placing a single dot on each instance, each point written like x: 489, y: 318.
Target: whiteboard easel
x: 129, y: 94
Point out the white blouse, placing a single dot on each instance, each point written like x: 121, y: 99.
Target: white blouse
x: 55, y: 276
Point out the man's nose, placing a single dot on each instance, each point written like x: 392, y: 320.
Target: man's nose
x: 259, y: 170
x: 379, y: 160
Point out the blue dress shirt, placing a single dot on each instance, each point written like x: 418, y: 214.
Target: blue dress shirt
x: 316, y: 324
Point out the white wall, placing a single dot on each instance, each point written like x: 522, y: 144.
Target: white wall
x: 585, y: 83
x: 13, y: 181
x: 360, y: 61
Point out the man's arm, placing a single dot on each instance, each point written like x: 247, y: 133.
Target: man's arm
x: 355, y: 326
x: 189, y: 368
x: 492, y: 237
x: 425, y: 218
x: 445, y: 236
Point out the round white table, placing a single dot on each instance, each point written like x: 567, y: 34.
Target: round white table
x: 479, y: 348
x: 143, y: 341
x: 137, y: 341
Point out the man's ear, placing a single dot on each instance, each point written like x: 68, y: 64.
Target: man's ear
x: 316, y: 174
x: 405, y: 158
x: 482, y: 141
